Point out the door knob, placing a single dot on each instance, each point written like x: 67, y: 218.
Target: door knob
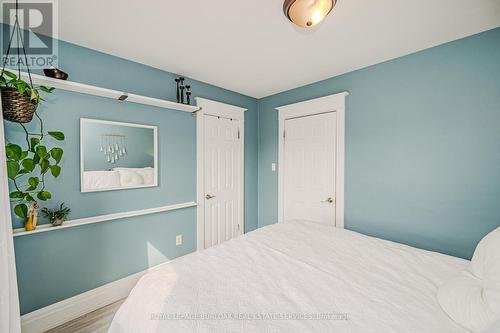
x: 208, y: 196
x: 329, y: 200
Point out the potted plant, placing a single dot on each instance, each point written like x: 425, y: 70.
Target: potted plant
x: 28, y: 166
x: 20, y: 99
x: 56, y: 217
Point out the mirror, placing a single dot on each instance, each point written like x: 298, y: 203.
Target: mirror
x: 117, y: 155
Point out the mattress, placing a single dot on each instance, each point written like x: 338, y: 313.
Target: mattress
x: 294, y: 277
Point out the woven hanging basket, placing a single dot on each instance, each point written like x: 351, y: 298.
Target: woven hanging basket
x: 17, y: 107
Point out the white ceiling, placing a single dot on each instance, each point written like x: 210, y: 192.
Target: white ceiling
x: 250, y: 47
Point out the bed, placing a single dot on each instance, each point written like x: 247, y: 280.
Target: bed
x: 294, y: 277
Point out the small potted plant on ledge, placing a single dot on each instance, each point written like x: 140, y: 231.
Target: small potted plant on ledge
x: 56, y: 217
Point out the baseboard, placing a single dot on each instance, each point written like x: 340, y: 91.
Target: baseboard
x: 71, y: 308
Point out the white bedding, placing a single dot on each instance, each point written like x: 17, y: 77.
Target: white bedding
x: 101, y: 179
x: 299, y: 268
x: 117, y: 178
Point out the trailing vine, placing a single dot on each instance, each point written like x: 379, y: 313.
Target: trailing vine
x: 29, y: 164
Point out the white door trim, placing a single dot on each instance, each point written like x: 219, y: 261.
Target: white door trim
x: 9, y: 316
x: 332, y: 103
x: 213, y: 108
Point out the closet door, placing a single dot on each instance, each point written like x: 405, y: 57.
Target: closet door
x: 309, y: 170
x: 223, y: 174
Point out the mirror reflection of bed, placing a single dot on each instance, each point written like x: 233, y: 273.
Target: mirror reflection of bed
x: 117, y: 155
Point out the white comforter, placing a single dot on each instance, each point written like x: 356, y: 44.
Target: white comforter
x: 297, y: 270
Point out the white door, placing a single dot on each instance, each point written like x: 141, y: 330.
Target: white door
x: 222, y: 180
x: 309, y: 168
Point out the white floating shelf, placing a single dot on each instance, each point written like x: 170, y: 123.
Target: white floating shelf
x: 102, y: 218
x: 105, y: 92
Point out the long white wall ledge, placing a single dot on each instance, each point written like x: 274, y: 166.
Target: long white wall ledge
x: 102, y: 218
x: 105, y: 92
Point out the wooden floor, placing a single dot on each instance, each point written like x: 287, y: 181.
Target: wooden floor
x: 97, y: 321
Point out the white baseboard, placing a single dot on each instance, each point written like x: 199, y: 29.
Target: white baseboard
x: 71, y: 308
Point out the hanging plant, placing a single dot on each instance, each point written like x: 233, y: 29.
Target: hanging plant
x: 19, y: 98
x: 27, y: 166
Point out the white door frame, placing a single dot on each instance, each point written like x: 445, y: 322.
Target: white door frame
x: 10, y: 318
x: 332, y: 103
x: 218, y: 109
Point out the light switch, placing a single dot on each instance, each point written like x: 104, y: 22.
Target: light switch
x: 273, y: 166
x: 178, y: 240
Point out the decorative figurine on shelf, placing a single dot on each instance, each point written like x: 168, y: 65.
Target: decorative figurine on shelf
x: 178, y: 83
x: 32, y: 220
x: 188, y: 95
x: 183, y: 93
x: 58, y: 216
x: 55, y: 73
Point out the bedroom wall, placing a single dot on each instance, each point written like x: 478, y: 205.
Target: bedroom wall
x: 56, y: 265
x: 422, y: 145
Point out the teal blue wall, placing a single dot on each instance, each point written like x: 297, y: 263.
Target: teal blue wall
x: 139, y: 145
x: 56, y: 265
x: 422, y: 145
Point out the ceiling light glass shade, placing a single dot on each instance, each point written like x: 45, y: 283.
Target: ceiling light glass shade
x: 307, y: 13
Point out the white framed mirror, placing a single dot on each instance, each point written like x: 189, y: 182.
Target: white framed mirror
x: 116, y: 155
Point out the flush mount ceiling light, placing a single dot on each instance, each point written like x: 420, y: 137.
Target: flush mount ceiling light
x: 307, y: 13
